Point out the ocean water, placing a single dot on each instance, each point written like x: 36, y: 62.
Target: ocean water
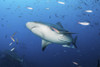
x: 19, y: 47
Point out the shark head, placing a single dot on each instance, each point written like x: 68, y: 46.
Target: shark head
x: 31, y: 25
x: 37, y: 28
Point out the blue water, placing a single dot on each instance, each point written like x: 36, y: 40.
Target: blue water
x: 14, y: 14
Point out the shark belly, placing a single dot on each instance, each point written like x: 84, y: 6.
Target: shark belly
x: 47, y: 34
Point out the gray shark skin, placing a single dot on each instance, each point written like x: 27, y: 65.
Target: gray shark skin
x: 52, y: 34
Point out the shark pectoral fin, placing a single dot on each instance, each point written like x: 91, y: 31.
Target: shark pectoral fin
x: 66, y: 46
x: 44, y: 44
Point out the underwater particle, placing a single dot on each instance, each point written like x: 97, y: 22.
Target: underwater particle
x: 84, y: 23
x: 47, y: 8
x: 61, y: 2
x: 88, y: 11
x: 12, y: 49
x: 30, y: 8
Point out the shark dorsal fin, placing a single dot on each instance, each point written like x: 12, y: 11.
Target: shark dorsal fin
x: 44, y: 44
x: 59, y: 24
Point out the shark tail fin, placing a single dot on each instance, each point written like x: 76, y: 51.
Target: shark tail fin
x: 74, y: 42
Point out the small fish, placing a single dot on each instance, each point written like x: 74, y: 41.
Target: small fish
x: 75, y: 63
x: 84, y: 23
x: 88, y: 11
x: 61, y: 2
x: 12, y: 39
x: 10, y: 43
x: 12, y: 49
x: 30, y: 8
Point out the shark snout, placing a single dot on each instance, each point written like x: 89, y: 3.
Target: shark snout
x: 30, y: 25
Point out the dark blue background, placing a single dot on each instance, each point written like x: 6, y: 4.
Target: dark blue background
x: 14, y: 15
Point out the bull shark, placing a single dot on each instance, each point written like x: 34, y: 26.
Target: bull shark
x: 51, y: 33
